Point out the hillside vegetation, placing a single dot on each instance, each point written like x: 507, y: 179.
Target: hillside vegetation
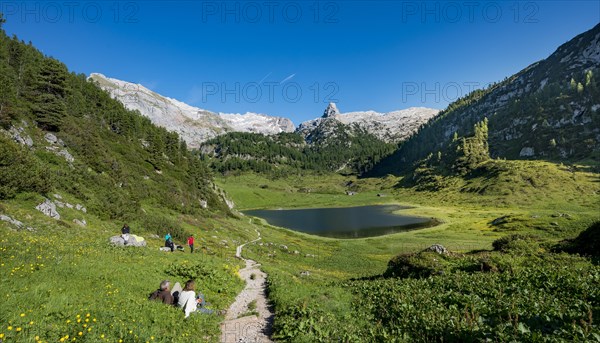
x: 549, y: 111
x: 65, y: 140
x: 520, y: 260
x: 344, y: 150
x: 504, y: 279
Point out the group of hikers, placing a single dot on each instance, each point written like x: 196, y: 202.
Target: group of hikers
x: 169, y: 243
x: 185, y: 298
x: 125, y: 231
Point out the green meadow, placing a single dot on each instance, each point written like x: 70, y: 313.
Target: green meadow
x: 63, y: 282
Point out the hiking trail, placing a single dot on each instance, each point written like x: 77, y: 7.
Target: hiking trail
x: 241, y: 325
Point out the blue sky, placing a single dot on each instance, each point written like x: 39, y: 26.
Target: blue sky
x: 290, y: 58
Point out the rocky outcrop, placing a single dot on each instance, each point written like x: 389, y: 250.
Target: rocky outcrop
x: 194, y: 125
x: 48, y: 208
x: 393, y: 126
x: 57, y: 146
x: 331, y: 111
x: 437, y: 248
x: 19, y: 136
x: 133, y: 241
x: 15, y: 222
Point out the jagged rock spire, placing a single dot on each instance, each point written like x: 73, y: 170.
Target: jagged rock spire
x: 331, y: 111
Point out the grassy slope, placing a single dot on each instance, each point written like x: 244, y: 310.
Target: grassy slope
x: 532, y: 194
x: 62, y: 271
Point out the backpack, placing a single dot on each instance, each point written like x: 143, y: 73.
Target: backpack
x: 154, y: 295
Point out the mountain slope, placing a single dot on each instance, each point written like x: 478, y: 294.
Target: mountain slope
x: 549, y: 110
x: 73, y: 140
x: 391, y: 127
x: 193, y: 124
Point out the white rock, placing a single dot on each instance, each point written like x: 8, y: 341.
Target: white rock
x: 48, y: 208
x: 527, y: 152
x: 10, y: 220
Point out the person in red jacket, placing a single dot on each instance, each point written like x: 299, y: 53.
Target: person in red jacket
x: 191, y: 243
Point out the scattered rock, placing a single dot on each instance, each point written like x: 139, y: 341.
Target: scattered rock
x: 350, y: 193
x: 50, y: 138
x: 438, y: 248
x: 283, y: 247
x: 80, y: 222
x: 305, y: 273
x: 296, y: 252
x: 500, y: 220
x: 380, y: 195
x: 229, y: 203
x: 68, y: 157
x: 48, y: 208
x: 203, y: 204
x: 57, y: 196
x: 310, y: 255
x: 146, y: 177
x: 19, y: 136
x: 133, y: 241
x: 155, y: 236
x: 527, y: 152
x: 12, y: 221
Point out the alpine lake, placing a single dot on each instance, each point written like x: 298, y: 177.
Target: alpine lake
x: 344, y: 222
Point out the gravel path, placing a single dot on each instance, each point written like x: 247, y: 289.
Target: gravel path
x: 240, y: 326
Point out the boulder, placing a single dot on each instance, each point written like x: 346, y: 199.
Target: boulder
x: 19, y: 136
x: 11, y: 221
x: 500, y: 220
x: 133, y: 241
x: 48, y: 208
x: 50, y: 138
x: 68, y: 157
x: 80, y: 222
x: 203, y: 204
x: 438, y: 248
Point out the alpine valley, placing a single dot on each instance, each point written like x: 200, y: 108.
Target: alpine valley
x: 508, y: 178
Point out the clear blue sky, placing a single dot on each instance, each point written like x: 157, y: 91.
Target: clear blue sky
x: 291, y: 58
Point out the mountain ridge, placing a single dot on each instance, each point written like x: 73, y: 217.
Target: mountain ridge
x: 548, y: 110
x: 196, y: 125
x: 193, y: 124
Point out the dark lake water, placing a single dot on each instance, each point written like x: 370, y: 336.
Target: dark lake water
x: 345, y: 222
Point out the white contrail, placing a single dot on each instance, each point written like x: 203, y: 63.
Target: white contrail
x: 264, y: 78
x: 287, y: 78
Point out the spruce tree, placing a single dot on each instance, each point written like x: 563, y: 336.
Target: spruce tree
x: 49, y: 105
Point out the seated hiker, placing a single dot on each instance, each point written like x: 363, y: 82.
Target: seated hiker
x: 189, y: 302
x: 163, y: 293
x: 169, y: 242
x: 125, y: 233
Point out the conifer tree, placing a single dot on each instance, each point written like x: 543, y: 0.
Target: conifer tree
x: 48, y: 105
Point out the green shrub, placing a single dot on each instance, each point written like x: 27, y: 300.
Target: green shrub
x: 422, y: 264
x: 517, y: 243
x: 161, y: 225
x: 587, y: 243
x: 20, y: 172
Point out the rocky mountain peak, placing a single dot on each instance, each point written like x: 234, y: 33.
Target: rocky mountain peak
x: 331, y: 111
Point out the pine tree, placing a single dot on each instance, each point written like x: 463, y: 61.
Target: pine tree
x: 49, y: 103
